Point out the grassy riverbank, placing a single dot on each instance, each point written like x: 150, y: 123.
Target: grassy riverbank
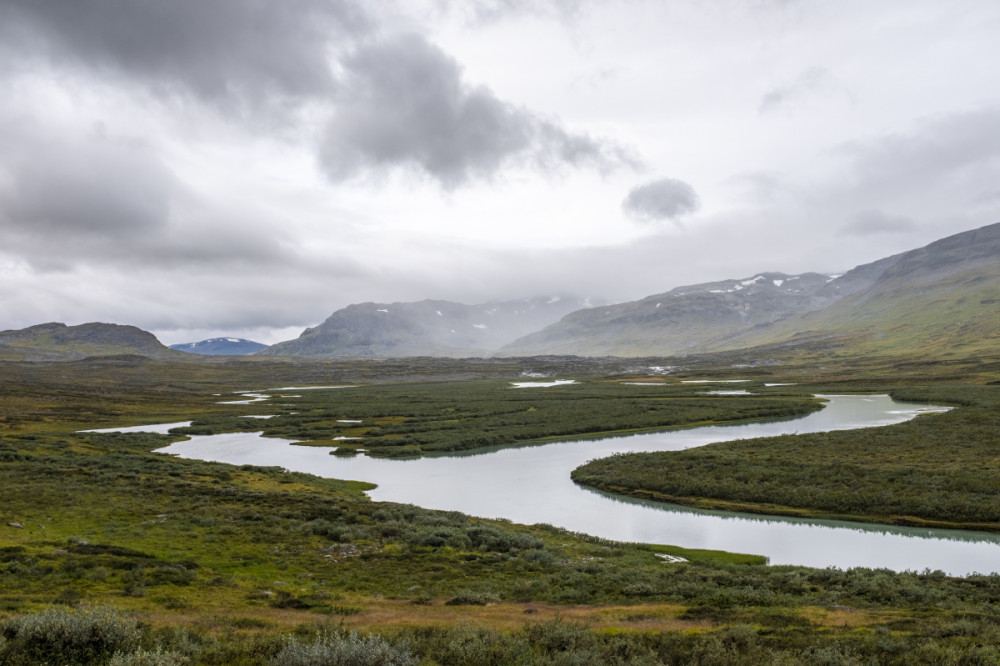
x: 435, y: 417
x: 938, y: 470
x: 215, y: 564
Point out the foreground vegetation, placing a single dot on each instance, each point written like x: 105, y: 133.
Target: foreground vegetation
x: 941, y: 470
x: 110, y: 553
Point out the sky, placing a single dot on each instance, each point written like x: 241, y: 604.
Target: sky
x: 203, y: 168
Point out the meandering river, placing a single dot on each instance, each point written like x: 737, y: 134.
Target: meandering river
x: 531, y: 484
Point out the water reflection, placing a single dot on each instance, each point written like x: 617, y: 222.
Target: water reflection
x: 531, y: 484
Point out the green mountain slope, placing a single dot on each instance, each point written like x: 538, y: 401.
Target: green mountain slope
x: 942, y: 299
x: 59, y: 342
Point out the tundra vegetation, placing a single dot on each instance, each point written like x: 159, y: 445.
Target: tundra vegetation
x: 113, y: 554
x: 940, y: 470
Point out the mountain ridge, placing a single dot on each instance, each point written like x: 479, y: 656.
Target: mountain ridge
x: 426, y: 328
x: 55, y: 341
x: 879, y: 305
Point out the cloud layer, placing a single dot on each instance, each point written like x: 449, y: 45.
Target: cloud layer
x: 235, y: 165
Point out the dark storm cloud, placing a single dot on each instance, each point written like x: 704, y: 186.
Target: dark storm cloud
x: 404, y: 104
x: 875, y: 222
x: 659, y: 200
x: 220, y: 51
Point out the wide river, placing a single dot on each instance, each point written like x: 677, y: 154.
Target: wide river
x: 531, y: 484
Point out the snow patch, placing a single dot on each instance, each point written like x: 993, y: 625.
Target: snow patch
x: 479, y: 326
x: 778, y: 283
x: 381, y: 310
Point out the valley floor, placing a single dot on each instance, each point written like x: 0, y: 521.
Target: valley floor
x: 179, y: 561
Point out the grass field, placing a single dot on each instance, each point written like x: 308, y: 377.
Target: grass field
x: 180, y: 561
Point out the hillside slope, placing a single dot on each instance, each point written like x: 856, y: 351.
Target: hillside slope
x: 943, y: 299
x: 59, y: 342
x: 425, y: 328
x: 683, y: 319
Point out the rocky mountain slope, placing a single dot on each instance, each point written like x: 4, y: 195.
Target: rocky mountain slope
x: 221, y: 347
x: 941, y: 300
x: 943, y: 294
x: 426, y: 328
x: 59, y: 342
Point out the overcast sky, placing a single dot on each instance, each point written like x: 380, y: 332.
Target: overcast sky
x: 246, y: 167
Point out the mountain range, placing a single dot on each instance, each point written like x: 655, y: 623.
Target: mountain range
x: 941, y: 300
x: 427, y: 328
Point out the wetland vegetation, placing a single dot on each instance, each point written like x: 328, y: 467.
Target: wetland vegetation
x: 113, y: 554
x: 940, y: 470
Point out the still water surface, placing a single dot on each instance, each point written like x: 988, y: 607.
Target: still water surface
x: 531, y: 484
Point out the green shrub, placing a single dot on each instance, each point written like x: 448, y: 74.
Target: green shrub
x: 61, y: 636
x: 146, y: 658
x: 335, y: 649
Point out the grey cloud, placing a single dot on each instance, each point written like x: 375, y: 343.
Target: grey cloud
x: 487, y: 11
x: 663, y: 199
x: 875, y: 222
x: 404, y: 104
x: 68, y: 188
x: 68, y: 199
x: 809, y: 81
x: 960, y: 150
x: 232, y: 51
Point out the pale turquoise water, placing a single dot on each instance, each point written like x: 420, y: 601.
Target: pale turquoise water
x: 531, y: 484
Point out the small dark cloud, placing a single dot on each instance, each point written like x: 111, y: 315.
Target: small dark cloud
x: 875, y: 222
x: 659, y: 200
x: 404, y: 103
x: 235, y: 52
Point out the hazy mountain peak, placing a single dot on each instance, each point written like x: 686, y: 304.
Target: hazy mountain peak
x: 427, y: 328
x: 220, y: 347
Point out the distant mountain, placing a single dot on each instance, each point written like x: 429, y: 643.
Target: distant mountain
x: 939, y: 301
x: 939, y: 298
x: 59, y: 342
x: 426, y: 328
x: 684, y: 318
x: 221, y: 347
